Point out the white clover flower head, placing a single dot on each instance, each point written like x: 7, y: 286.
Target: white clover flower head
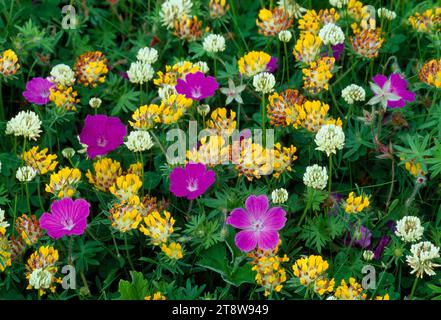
x: 203, y: 66
x: 40, y: 279
x: 285, y: 36
x: 147, y: 55
x: 329, y: 139
x: 3, y: 224
x: 409, y: 229
x: 203, y: 109
x: 338, y: 3
x: 214, y: 43
x: 26, y: 174
x: 26, y: 124
x: 140, y: 72
x: 172, y: 10
x: 331, y: 34
x: 95, y: 103
x: 368, y: 255
x: 166, y: 91
x: 315, y: 177
x: 279, y: 196
x: 264, y: 82
x: 353, y: 93
x: 139, y: 141
x: 386, y: 14
x: 63, y: 75
x: 421, y: 260
x: 292, y: 8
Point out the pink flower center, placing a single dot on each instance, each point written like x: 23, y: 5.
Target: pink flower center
x: 68, y: 224
x: 192, y: 184
x: 196, y: 92
x: 101, y: 142
x: 257, y: 226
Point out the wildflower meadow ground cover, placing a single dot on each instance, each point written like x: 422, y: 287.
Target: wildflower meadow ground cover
x: 220, y: 149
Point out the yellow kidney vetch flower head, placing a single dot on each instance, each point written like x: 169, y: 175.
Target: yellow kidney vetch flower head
x: 430, y: 73
x: 105, y: 173
x: 188, y: 28
x: 5, y: 253
x: 253, y: 62
x: 307, y: 48
x: 9, y: 63
x: 271, y: 22
x: 355, y: 204
x: 427, y: 22
x: 40, y: 160
x: 316, y: 77
x: 350, y: 291
x: 174, y: 107
x: 64, y: 183
x: 218, y: 8
x: 126, y: 214
x: 158, y: 227
x: 283, y: 158
x: 175, y: 72
x: 213, y: 150
x: 146, y: 117
x: 126, y: 186
x: 309, y: 269
x: 64, y: 98
x: 91, y: 68
x: 221, y: 122
x: 172, y: 250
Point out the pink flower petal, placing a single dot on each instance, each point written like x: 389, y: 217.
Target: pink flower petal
x: 275, y: 219
x: 268, y: 240
x: 257, y: 206
x: 239, y: 218
x: 380, y: 80
x: 245, y: 240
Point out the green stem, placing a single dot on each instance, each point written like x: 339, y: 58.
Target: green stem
x: 303, y: 215
x: 127, y: 252
x: 70, y: 251
x: 2, y: 111
x: 330, y: 175
x: 263, y: 119
x: 413, y: 288
x: 158, y: 143
x: 286, y: 61
x: 238, y: 117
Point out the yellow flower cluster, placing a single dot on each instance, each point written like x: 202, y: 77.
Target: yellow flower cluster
x: 126, y: 215
x: 64, y: 98
x: 40, y: 160
x: 357, y: 10
x: 311, y: 115
x: 356, y: 204
x: 172, y: 73
x: 280, y: 103
x: 156, y: 296
x: 158, y: 227
x: 188, y: 28
x: 172, y: 250
x: 310, y: 269
x: 146, y: 117
x: 271, y: 22
x: 283, y: 158
x: 28, y: 229
x: 253, y: 62
x: 414, y: 168
x: 45, y: 259
x: 307, y: 48
x: 269, y: 272
x: 427, y: 22
x: 385, y: 297
x: 431, y: 73
x: 212, y: 151
x: 91, y: 68
x: 254, y: 161
x: 106, y: 171
x: 5, y: 252
x: 218, y: 8
x: 316, y: 77
x: 126, y: 186
x: 311, y: 22
x: 64, y: 183
x: 9, y: 63
x: 367, y: 40
x: 349, y: 291
x: 221, y: 122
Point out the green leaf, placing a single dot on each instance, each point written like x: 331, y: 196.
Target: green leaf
x: 151, y: 180
x: 134, y: 290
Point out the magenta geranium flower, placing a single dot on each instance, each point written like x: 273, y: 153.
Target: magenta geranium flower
x: 272, y: 65
x: 391, y: 92
x: 102, y: 134
x: 191, y: 181
x: 38, y: 91
x: 197, y: 86
x: 259, y: 225
x: 67, y: 217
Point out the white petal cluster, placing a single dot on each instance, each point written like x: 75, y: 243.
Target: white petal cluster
x: 315, y: 177
x: 63, y: 75
x: 386, y: 14
x: 172, y: 10
x: 26, y: 124
x: 353, y: 93
x: 166, y: 91
x: 368, y: 255
x: 139, y: 141
x: 279, y: 196
x: 214, y: 43
x: 26, y: 174
x: 95, y: 103
x: 3, y: 224
x: 264, y: 82
x: 40, y: 279
x: 292, y: 8
x: 140, y: 72
x: 409, y: 229
x: 203, y: 66
x: 147, y: 55
x: 421, y: 260
x: 285, y: 36
x: 329, y: 139
x: 331, y: 34
x: 338, y: 3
